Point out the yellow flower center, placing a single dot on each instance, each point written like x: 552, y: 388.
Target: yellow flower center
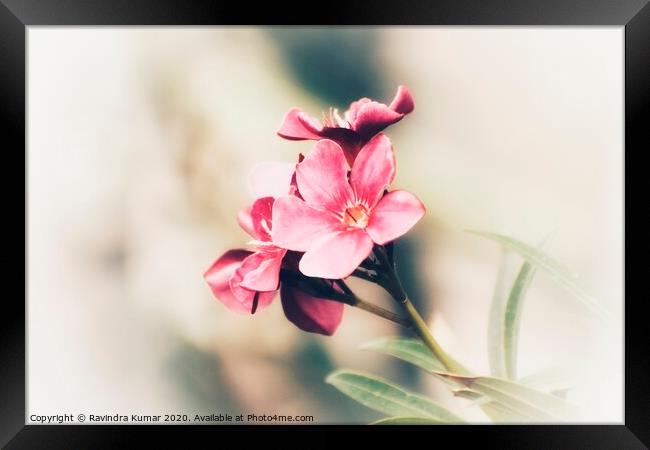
x: 356, y: 217
x: 332, y: 119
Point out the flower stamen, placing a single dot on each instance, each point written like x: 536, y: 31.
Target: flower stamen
x: 355, y: 216
x: 333, y: 119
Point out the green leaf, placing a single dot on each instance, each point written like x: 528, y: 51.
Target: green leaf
x: 469, y: 394
x: 558, y: 272
x: 388, y: 398
x: 546, y: 377
x: 412, y: 351
x: 521, y: 399
x: 500, y: 413
x: 505, y: 314
x: 496, y: 347
x: 400, y: 420
x: 409, y: 350
x: 553, y: 380
x: 496, y: 411
x: 512, y: 317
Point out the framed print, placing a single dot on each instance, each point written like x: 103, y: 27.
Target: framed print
x: 409, y: 215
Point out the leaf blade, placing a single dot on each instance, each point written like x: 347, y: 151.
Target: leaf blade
x: 522, y: 399
x: 386, y: 397
x: 495, y: 338
x: 512, y: 317
x: 563, y: 276
x: 496, y: 411
x: 410, y: 350
x: 403, y: 420
x: 548, y: 380
x: 501, y: 413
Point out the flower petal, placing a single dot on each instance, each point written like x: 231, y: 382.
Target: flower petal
x: 349, y: 141
x: 372, y: 118
x: 336, y: 255
x: 353, y: 110
x: 395, y: 214
x: 296, y: 125
x: 262, y: 217
x: 218, y: 278
x: 250, y: 301
x: 293, y: 188
x: 311, y: 314
x: 403, y: 102
x: 322, y: 177
x: 296, y: 225
x: 245, y: 221
x: 257, y: 219
x: 270, y: 179
x: 261, y: 270
x: 373, y: 170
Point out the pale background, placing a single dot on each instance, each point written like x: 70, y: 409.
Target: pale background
x: 139, y: 144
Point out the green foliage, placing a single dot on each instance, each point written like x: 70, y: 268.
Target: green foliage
x: 388, y: 398
x: 522, y: 399
x: 512, y: 318
x: 410, y: 350
x: 563, y: 276
x: 501, y: 397
x: 401, y: 420
x: 496, y: 335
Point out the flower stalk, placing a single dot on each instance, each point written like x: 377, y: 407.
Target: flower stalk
x: 390, y: 281
x: 320, y: 288
x: 381, y: 312
x: 355, y: 301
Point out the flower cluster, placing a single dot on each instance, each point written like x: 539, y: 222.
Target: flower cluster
x: 320, y: 224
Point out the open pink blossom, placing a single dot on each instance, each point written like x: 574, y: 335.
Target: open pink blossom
x: 363, y: 120
x: 338, y: 218
x: 246, y: 281
x: 226, y: 286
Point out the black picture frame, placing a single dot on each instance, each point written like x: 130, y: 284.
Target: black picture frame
x: 17, y: 15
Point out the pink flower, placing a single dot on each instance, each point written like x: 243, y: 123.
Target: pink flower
x: 360, y: 123
x: 246, y: 281
x: 307, y: 312
x: 311, y: 314
x: 339, y: 218
x: 226, y: 286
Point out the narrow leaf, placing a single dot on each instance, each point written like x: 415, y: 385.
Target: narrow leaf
x: 558, y: 272
x: 412, y: 351
x: 548, y: 380
x: 407, y: 421
x: 496, y: 411
x: 512, y: 317
x: 388, y: 398
x: 409, y: 350
x: 496, y: 347
x: 469, y: 394
x: 522, y: 399
x: 501, y: 413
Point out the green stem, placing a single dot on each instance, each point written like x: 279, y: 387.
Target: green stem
x: 321, y: 288
x: 381, y: 312
x: 422, y: 330
x: 393, y: 285
x: 355, y: 301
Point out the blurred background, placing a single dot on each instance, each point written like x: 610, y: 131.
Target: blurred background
x: 140, y: 140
